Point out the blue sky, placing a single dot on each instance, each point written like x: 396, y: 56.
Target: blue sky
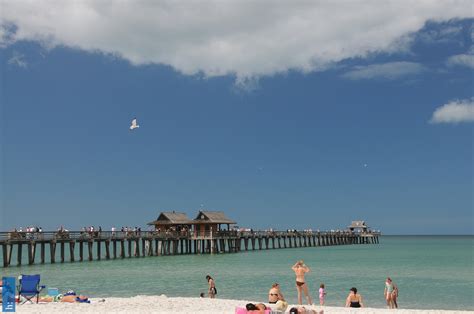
x: 385, y: 135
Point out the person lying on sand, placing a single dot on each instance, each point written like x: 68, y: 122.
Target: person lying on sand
x: 75, y: 298
x: 67, y: 299
x: 258, y: 308
x: 303, y: 310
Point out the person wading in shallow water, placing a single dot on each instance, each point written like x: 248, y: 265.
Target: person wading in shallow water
x: 212, y: 287
x: 391, y: 293
x: 300, y: 270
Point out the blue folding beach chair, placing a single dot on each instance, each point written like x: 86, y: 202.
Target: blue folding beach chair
x: 29, y: 287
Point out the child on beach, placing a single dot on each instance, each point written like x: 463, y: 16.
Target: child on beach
x: 322, y: 294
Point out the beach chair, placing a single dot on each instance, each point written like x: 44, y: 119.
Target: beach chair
x: 29, y: 287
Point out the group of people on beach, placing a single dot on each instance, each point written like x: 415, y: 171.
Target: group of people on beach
x: 354, y: 299
x: 275, y: 296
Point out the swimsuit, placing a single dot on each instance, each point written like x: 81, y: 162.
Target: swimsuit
x: 389, y: 287
x: 321, y: 294
x: 299, y: 283
x: 355, y: 304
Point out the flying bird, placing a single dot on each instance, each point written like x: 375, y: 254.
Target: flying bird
x: 134, y: 124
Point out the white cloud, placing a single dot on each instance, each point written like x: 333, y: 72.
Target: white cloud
x: 462, y: 60
x: 18, y: 59
x: 454, y: 112
x: 243, y: 38
x: 390, y: 70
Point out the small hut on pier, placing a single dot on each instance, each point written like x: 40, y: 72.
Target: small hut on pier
x: 172, y: 221
x: 210, y: 221
x: 358, y: 226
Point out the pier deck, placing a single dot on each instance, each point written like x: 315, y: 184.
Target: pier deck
x: 77, y: 246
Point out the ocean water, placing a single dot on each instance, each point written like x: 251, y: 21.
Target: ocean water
x: 432, y: 272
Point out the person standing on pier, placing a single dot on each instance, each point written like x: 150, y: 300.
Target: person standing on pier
x: 300, y: 270
x: 212, y: 287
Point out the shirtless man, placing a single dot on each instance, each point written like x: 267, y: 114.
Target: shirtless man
x: 300, y: 270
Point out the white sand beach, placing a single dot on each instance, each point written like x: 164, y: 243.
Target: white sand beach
x: 163, y: 304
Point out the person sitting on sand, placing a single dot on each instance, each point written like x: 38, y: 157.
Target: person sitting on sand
x: 212, y: 287
x: 300, y: 270
x: 275, y: 295
x: 354, y: 299
x: 258, y: 308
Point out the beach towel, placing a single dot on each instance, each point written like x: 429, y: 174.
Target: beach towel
x: 243, y: 310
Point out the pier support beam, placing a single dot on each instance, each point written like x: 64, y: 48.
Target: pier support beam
x: 72, y: 244
x: 42, y: 253
x: 7, y: 254
x: 89, y: 247
x: 107, y: 249
x: 19, y: 252
x: 52, y: 251
x: 99, y: 248
x: 31, y: 252
x: 62, y: 252
x: 81, y: 251
x: 122, y: 248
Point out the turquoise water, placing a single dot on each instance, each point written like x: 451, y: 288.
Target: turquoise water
x: 432, y: 272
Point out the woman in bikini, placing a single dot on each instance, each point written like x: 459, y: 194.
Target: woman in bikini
x: 300, y: 270
x: 212, y: 287
x: 354, y: 299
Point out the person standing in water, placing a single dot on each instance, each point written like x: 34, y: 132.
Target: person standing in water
x: 300, y: 270
x: 212, y: 287
x: 322, y: 294
x: 391, y: 294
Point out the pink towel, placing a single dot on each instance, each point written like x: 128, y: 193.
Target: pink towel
x: 243, y: 310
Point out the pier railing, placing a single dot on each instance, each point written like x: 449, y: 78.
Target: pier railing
x: 17, y: 236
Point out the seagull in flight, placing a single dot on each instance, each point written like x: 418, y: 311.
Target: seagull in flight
x: 134, y: 124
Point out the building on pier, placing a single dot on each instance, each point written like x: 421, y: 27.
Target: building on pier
x: 208, y: 222
x: 358, y: 226
x: 172, y: 221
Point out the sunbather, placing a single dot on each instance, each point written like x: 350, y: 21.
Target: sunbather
x: 258, y: 308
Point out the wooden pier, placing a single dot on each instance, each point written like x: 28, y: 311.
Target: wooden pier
x: 79, y: 246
